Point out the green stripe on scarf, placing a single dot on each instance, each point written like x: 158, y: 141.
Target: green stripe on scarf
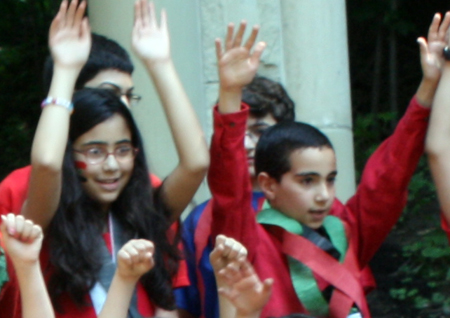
x: 302, y: 277
x: 3, y: 269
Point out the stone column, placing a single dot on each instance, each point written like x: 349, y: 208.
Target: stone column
x: 317, y: 75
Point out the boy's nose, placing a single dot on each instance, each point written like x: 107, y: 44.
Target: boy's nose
x: 323, y: 193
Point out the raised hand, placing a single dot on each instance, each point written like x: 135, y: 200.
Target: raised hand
x: 244, y: 288
x: 237, y: 63
x: 226, y: 251
x: 23, y: 239
x: 70, y: 35
x: 135, y: 258
x: 431, y: 57
x: 150, y: 41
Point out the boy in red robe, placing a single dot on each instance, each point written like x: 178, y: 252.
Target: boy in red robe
x: 313, y: 246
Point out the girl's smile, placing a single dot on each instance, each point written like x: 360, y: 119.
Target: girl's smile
x: 105, y: 179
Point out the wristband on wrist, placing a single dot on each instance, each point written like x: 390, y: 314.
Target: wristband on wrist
x: 57, y: 101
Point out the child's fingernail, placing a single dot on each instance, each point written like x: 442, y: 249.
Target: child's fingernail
x: 11, y: 231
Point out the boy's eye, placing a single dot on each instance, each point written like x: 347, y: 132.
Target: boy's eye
x: 331, y: 180
x: 306, y: 181
x: 258, y: 131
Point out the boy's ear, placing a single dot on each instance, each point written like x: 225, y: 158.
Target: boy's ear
x: 267, y: 185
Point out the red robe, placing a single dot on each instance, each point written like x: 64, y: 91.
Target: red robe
x: 370, y: 214
x: 13, y: 193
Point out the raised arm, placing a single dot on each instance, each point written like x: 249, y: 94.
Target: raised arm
x: 23, y: 241
x: 152, y: 44
x: 70, y: 42
x: 437, y: 141
x: 382, y: 193
x: 228, y: 176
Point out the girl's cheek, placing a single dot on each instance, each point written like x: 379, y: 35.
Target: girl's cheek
x: 81, y: 168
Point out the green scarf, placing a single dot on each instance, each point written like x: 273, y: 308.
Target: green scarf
x: 3, y: 269
x: 302, y: 277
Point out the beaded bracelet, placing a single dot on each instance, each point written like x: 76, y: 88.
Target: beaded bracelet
x: 57, y: 101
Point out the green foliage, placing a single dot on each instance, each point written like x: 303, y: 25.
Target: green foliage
x: 368, y: 131
x: 23, y: 48
x: 427, y: 258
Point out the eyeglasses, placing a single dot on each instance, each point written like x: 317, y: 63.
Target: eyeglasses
x: 254, y: 133
x: 97, y: 155
x: 133, y: 99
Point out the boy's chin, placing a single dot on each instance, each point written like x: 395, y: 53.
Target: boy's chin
x: 316, y: 220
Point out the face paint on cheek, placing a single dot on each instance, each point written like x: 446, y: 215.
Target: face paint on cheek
x: 80, y: 166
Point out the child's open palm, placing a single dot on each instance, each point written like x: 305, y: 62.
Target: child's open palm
x: 135, y: 258
x: 245, y: 290
x: 150, y: 41
x: 431, y: 56
x: 22, y: 238
x: 70, y: 35
x: 237, y: 63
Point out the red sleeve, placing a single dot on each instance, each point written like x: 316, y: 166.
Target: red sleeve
x: 13, y: 190
x: 181, y: 278
x: 382, y: 193
x: 155, y: 181
x: 229, y: 181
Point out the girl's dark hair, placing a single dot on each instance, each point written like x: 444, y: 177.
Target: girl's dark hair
x: 279, y: 141
x: 76, y: 230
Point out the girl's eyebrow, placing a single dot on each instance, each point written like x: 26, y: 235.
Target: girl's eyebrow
x: 94, y: 142
x: 104, y: 143
x: 123, y: 141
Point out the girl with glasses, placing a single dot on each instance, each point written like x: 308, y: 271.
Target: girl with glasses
x: 89, y: 186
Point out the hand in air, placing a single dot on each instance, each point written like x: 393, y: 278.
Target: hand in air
x: 22, y: 238
x: 237, y: 63
x: 244, y: 288
x: 226, y: 251
x: 70, y: 35
x: 150, y: 41
x: 431, y: 56
x: 135, y: 258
